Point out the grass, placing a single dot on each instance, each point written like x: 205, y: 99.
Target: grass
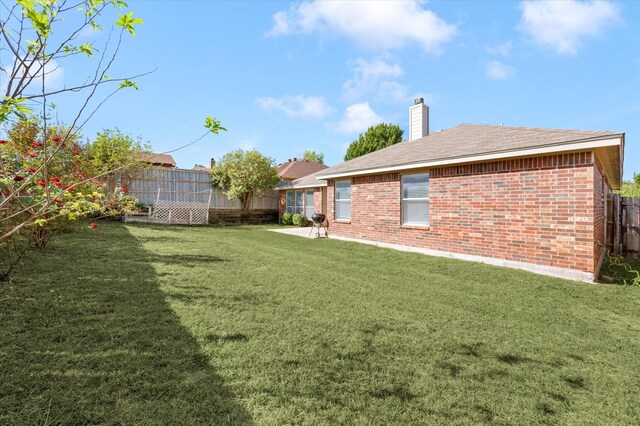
x: 625, y: 272
x: 159, y: 325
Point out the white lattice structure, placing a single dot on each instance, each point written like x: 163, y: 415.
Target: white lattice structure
x: 169, y: 211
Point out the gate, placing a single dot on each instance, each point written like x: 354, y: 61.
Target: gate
x: 623, y: 225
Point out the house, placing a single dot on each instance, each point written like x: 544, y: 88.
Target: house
x: 521, y: 197
x: 297, y: 168
x: 158, y: 160
x: 306, y: 195
x: 201, y: 168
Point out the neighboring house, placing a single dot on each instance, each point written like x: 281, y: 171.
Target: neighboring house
x: 522, y: 197
x: 297, y: 168
x: 305, y: 195
x: 158, y: 160
x: 201, y: 168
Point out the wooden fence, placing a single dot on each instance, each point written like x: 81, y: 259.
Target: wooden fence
x: 623, y: 225
x: 189, y: 185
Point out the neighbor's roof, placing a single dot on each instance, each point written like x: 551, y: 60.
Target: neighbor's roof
x: 472, y: 143
x: 152, y: 158
x: 309, y: 181
x: 200, y: 167
x: 297, y: 168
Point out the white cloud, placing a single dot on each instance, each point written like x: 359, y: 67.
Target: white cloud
x: 88, y: 32
x: 562, y: 25
x: 374, y: 25
x: 53, y: 78
x: 357, y: 118
x: 499, y: 71
x: 297, y: 106
x: 367, y: 76
x: 502, y: 49
x: 393, y: 91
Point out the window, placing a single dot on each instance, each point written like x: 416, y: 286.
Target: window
x: 290, y: 201
x: 343, y: 199
x: 299, y: 202
x: 308, y: 203
x: 415, y: 199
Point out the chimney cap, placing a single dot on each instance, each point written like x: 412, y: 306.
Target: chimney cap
x: 418, y: 101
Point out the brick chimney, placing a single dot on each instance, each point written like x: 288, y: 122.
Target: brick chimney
x: 418, y: 120
x: 213, y: 163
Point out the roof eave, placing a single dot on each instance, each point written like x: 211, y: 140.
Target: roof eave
x: 303, y: 186
x: 582, y: 144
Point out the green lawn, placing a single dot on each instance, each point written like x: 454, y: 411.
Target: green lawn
x: 159, y: 325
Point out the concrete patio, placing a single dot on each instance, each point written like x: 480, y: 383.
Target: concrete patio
x: 299, y: 232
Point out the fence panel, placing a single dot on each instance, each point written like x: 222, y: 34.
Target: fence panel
x: 630, y: 224
x: 182, y: 184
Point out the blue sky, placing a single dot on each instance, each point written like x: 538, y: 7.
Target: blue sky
x: 284, y: 77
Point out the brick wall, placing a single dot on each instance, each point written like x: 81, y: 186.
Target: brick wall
x: 282, y: 202
x: 536, y: 210
x: 600, y: 193
x: 317, y: 200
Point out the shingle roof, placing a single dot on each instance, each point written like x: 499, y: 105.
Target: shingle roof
x: 152, y: 158
x: 309, y: 181
x: 298, y: 168
x: 462, y: 141
x: 201, y: 168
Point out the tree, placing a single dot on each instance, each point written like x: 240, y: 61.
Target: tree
x: 114, y: 150
x: 375, y: 138
x: 312, y: 155
x: 244, y: 174
x: 631, y: 188
x: 42, y: 173
x: 42, y: 176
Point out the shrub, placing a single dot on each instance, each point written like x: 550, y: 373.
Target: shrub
x: 287, y: 219
x: 300, y: 220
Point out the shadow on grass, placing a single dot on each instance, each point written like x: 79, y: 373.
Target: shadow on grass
x: 104, y: 350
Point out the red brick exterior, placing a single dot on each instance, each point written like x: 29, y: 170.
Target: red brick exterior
x: 282, y: 202
x: 601, y: 191
x: 317, y: 200
x: 540, y: 210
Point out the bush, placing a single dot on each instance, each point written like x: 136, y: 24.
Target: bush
x: 300, y: 220
x: 287, y: 219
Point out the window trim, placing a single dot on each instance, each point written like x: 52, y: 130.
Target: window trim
x: 307, y: 192
x: 403, y: 200
x: 343, y: 201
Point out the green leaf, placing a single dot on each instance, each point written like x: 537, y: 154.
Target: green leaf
x: 128, y: 22
x: 213, y: 125
x: 128, y: 83
x: 87, y: 49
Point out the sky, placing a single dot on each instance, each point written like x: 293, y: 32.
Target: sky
x: 288, y: 76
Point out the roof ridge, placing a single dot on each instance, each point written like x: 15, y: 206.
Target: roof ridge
x: 537, y: 129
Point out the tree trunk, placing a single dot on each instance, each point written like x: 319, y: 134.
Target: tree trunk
x: 246, y: 201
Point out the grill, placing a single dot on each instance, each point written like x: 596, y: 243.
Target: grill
x: 319, y: 222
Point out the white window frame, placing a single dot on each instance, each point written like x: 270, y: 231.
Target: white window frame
x: 343, y: 200
x: 405, y: 200
x: 308, y: 208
